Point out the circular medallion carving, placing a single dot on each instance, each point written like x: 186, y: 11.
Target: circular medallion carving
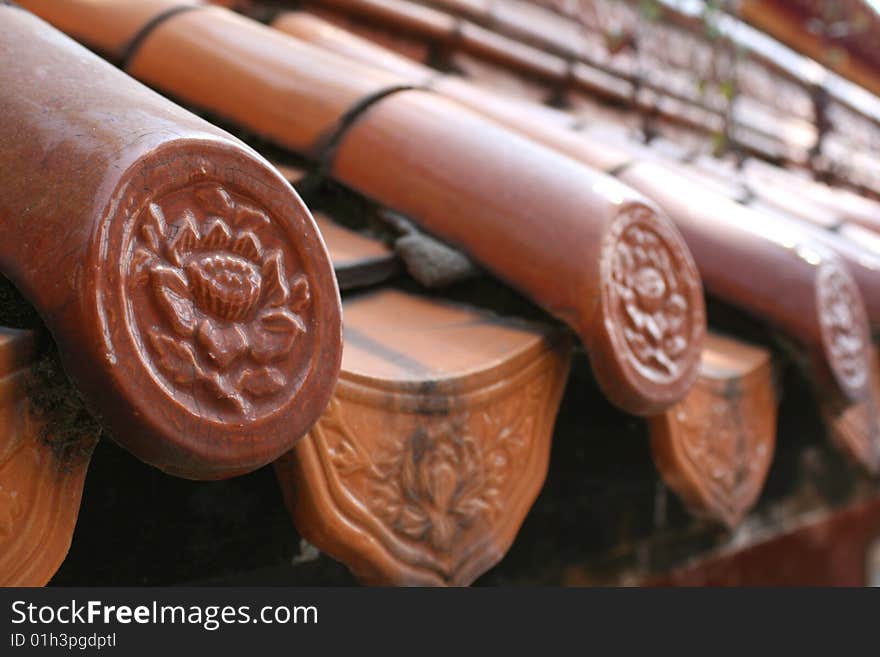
x: 219, y: 312
x: 216, y: 298
x: 653, y: 297
x: 844, y: 326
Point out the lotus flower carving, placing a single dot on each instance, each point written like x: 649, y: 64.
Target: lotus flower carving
x: 442, y: 479
x: 230, y: 309
x: 654, y: 307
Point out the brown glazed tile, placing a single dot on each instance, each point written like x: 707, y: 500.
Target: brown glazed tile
x: 285, y: 90
x: 593, y: 81
x: 183, y: 280
x: 477, y: 9
x: 837, y: 203
x: 405, y: 44
x: 714, y: 448
x: 500, y: 78
x: 863, y: 264
x: 458, y: 35
x: 108, y: 26
x: 608, y: 150
x: 572, y: 224
x: 803, y: 205
x: 640, y: 322
x: 318, y: 31
x: 734, y: 391
x: 773, y: 271
x: 404, y: 16
x: 435, y: 445
x: 855, y: 427
x: 358, y: 261
x: 544, y: 124
x: 496, y: 48
x: 40, y: 485
x: 536, y: 25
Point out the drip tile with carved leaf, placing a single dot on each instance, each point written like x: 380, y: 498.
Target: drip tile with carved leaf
x: 714, y: 448
x: 435, y: 444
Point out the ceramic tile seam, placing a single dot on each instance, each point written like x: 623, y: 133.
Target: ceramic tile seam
x: 142, y: 34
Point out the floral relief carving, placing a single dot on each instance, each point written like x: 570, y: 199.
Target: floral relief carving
x: 227, y: 309
x: 447, y: 475
x: 728, y: 452
x: 436, y: 485
x: 715, y: 447
x: 842, y: 320
x: 652, y: 300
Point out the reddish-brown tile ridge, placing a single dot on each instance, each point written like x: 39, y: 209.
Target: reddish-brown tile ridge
x: 774, y: 210
x: 680, y: 434
x: 187, y: 286
x: 436, y: 442
x: 718, y: 230
x: 108, y: 26
x: 573, y: 224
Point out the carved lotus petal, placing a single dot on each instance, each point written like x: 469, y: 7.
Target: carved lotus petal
x: 639, y: 345
x: 277, y: 289
x: 281, y: 320
x: 151, y: 237
x: 142, y: 262
x: 653, y: 328
x: 173, y: 296
x: 247, y: 245
x: 675, y: 346
x: 299, y: 293
x: 443, y: 531
x: 184, y: 240
x: 177, y: 358
x: 216, y: 235
x: 157, y: 224
x: 269, y: 345
x: 215, y: 200
x: 225, y: 285
x: 250, y: 217
x: 222, y: 344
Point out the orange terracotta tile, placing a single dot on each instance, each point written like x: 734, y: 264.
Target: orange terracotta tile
x: 40, y: 484
x: 436, y: 444
x: 553, y: 202
x: 108, y: 26
x: 714, y: 448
